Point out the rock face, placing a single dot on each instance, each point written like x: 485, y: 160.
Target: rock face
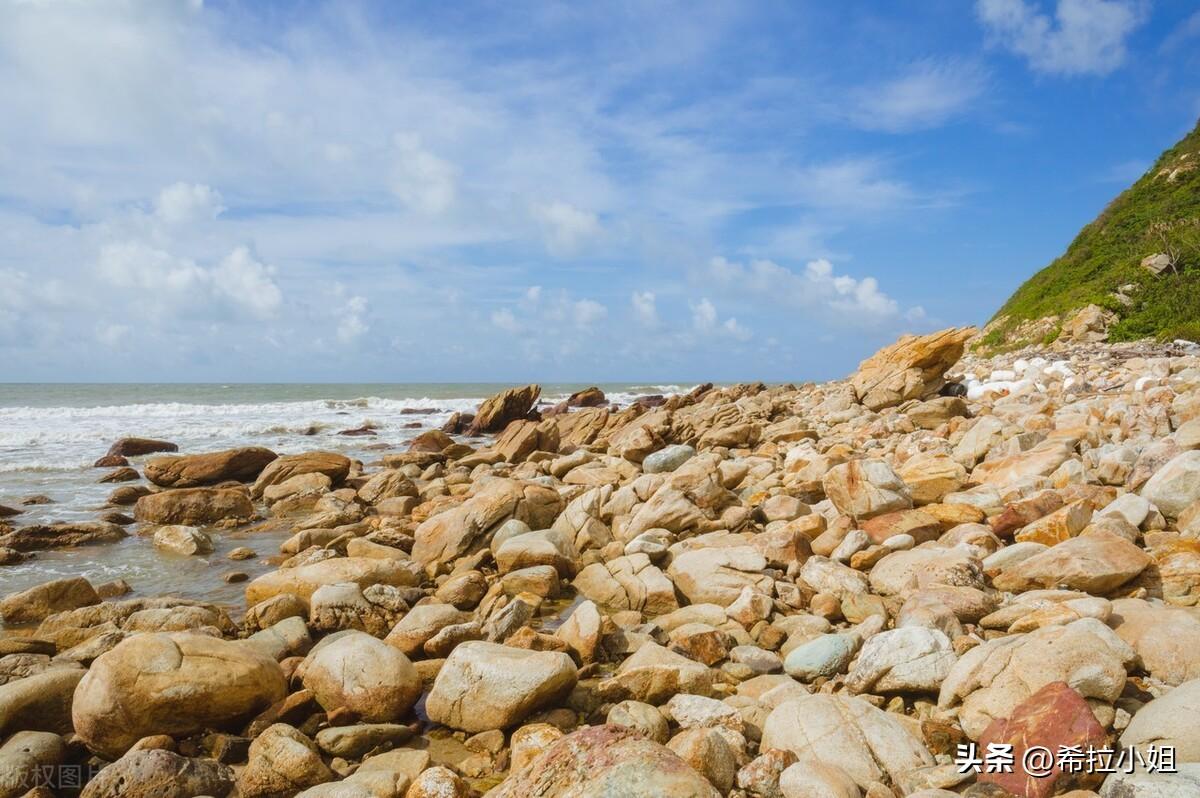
x: 867, y: 743
x: 42, y: 601
x: 189, y: 471
x: 912, y: 368
x: 1053, y: 717
x: 486, y: 686
x: 497, y: 411
x: 171, y: 684
x: 364, y: 675
x: 602, y: 761
x: 195, y: 507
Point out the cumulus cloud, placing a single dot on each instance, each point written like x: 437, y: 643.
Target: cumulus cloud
x: 1085, y: 37
x: 565, y: 226
x: 161, y: 282
x: 704, y: 315
x: 925, y: 95
x: 588, y: 312
x: 845, y: 298
x: 505, y: 320
x: 182, y: 203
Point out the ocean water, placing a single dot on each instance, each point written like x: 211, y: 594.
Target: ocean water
x: 51, y: 434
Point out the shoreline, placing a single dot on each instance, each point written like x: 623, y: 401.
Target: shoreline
x: 694, y: 581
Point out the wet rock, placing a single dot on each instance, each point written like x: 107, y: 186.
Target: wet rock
x: 303, y: 580
x: 46, y: 599
x: 184, y: 540
x: 195, y: 507
x: 40, y: 537
x: 136, y: 447
x: 279, y: 470
x: 189, y: 471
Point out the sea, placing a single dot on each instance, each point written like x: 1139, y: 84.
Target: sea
x: 51, y: 434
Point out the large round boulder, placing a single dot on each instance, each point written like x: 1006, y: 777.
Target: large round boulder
x: 173, y: 684
x: 363, y: 674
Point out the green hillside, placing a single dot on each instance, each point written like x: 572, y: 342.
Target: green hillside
x: 1160, y: 213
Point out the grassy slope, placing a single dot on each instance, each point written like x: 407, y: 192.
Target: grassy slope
x: 1106, y: 254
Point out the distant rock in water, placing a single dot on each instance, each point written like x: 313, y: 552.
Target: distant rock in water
x: 588, y: 397
x: 135, y: 447
x: 188, y: 471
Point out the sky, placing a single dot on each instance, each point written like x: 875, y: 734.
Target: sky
x: 401, y: 192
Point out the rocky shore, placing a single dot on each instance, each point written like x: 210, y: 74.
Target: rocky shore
x: 816, y: 591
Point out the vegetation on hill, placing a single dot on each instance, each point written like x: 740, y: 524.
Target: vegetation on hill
x: 1159, y: 214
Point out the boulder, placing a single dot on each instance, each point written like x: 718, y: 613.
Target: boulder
x: 653, y: 674
x: 509, y: 405
x: 185, y: 540
x: 281, y: 762
x: 667, y: 459
x: 486, y: 686
x: 1168, y: 721
x: 1096, y: 563
x: 41, y: 601
x: 39, y: 537
x: 41, y: 702
x: 907, y: 660
x: 588, y: 397
x: 1166, y: 639
x: 173, y: 684
x: 358, y: 672
x: 912, y: 368
x: 455, y: 532
x: 522, y: 438
x: 29, y: 758
x: 136, y: 447
x: 156, y: 773
x: 303, y: 580
x: 865, y: 488
x: 1053, y: 718
x: 992, y: 679
x: 601, y: 761
x: 718, y: 575
x: 870, y: 745
x: 195, y: 507
x: 822, y: 657
x: 628, y: 583
x: 332, y: 465
x: 189, y: 471
x: 1176, y: 485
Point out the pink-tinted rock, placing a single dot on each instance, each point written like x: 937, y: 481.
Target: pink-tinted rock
x: 1052, y: 717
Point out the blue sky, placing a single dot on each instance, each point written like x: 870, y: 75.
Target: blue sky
x: 557, y: 191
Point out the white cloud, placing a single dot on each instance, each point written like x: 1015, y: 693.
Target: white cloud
x: 565, y: 226
x: 505, y: 320
x: 351, y: 325
x: 736, y: 330
x: 1086, y: 37
x: 161, y: 283
x: 645, y: 309
x: 588, y: 312
x: 421, y: 180
x: 844, y: 298
x: 853, y: 184
x: 180, y: 203
x: 925, y: 95
x: 704, y: 315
